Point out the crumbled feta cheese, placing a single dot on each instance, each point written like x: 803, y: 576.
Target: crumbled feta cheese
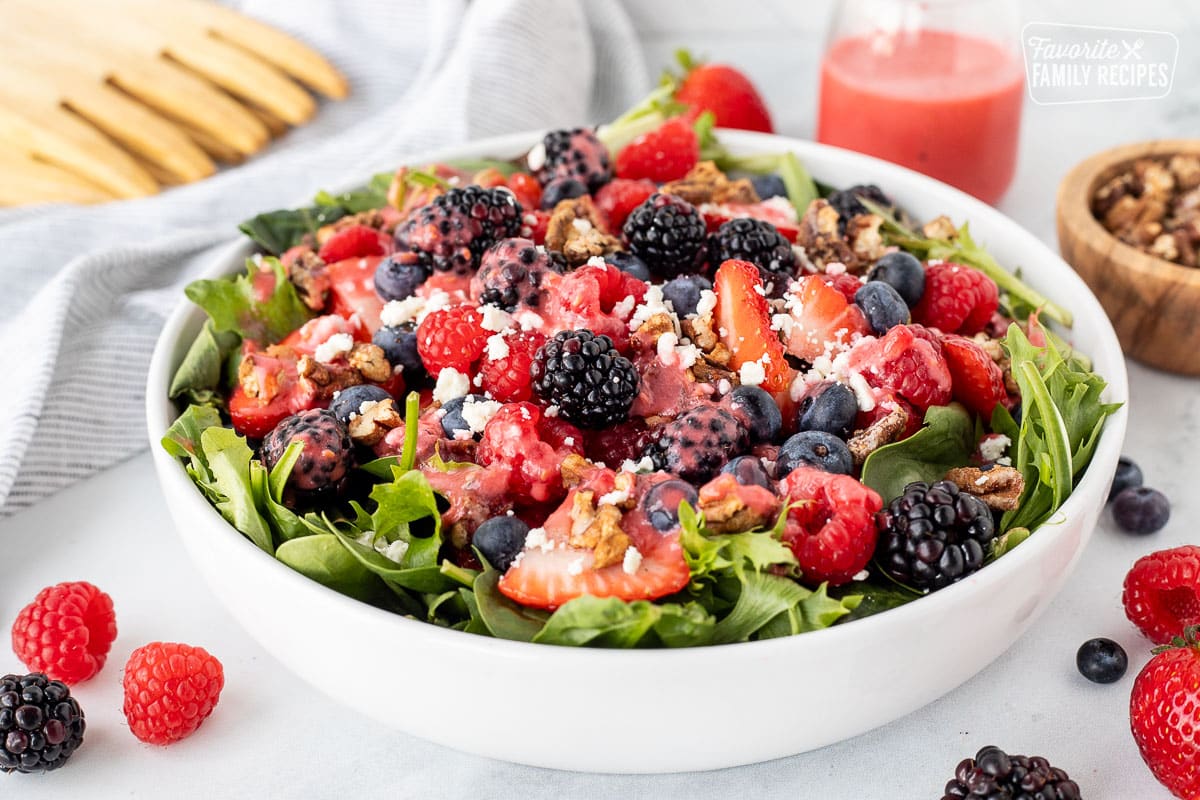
x: 569, y: 441
x: 529, y: 320
x: 633, y: 560
x: 708, y: 302
x: 551, y: 411
x: 397, y: 312
x: 596, y: 261
x: 478, y: 413
x: 651, y: 305
x: 495, y: 319
x: 1004, y: 462
x: 861, y: 575
x: 582, y: 225
x: 752, y: 373
x: 575, y: 567
x: 496, y: 347
x: 336, y: 345
x: 645, y: 465
x: 724, y: 386
x: 613, y: 498
x: 783, y: 323
x: 623, y: 308
x: 536, y: 540
x: 666, y: 347
x: 862, y: 392
x: 835, y: 268
x: 363, y: 407
x: 450, y: 384
x: 394, y: 551
x: 688, y: 355
x: 993, y: 447
x: 537, y: 157
x: 437, y: 301
x: 783, y: 207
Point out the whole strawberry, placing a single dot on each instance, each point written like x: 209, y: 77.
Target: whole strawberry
x: 1164, y: 714
x: 1162, y: 593
x: 724, y: 91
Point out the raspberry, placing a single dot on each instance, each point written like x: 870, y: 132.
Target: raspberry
x: 907, y: 364
x: 41, y: 725
x: 512, y: 273
x: 697, y: 443
x: 573, y: 153
x: 588, y: 298
x: 66, y: 632
x: 451, y: 337
x: 619, y: 443
x: 169, y: 690
x: 533, y: 447
x: 584, y: 375
x: 526, y: 189
x: 978, y: 382
x: 668, y: 233
x: 506, y: 377
x: 326, y: 460
x: 1162, y: 593
x: 957, y: 299
x: 620, y: 196
x: 451, y: 232
x: 664, y: 154
x: 830, y: 524
x: 355, y: 241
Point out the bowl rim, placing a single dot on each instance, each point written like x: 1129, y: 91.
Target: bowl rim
x: 1074, y: 209
x: 177, y: 486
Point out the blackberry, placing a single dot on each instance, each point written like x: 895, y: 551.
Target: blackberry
x: 584, y: 375
x: 451, y: 233
x: 760, y: 243
x: 697, y: 443
x: 41, y: 725
x: 668, y: 233
x: 511, y: 273
x: 327, y: 457
x: 847, y: 203
x: 932, y: 536
x: 575, y: 153
x: 995, y: 775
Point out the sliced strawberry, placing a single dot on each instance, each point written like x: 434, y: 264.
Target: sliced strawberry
x: 907, y: 364
x: 620, y: 196
x: 352, y: 289
x: 549, y: 575
x: 309, y: 336
x: 355, y: 241
x: 978, y: 382
x: 664, y: 154
x: 822, y: 318
x: 278, y: 390
x: 526, y: 189
x: 743, y: 320
x: 777, y: 211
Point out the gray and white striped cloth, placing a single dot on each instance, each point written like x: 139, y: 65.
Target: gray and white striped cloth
x: 83, y: 291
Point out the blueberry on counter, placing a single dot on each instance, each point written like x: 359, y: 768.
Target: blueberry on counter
x: 1128, y: 474
x: 1101, y: 660
x: 1141, y: 510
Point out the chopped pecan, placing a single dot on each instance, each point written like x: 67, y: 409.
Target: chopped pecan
x: 821, y: 241
x: 370, y: 360
x: 939, y: 228
x: 708, y: 370
x: 862, y: 232
x: 705, y: 183
x: 646, y: 336
x: 327, y: 378
x: 1186, y: 171
x: 623, y: 485
x: 460, y: 534
x: 598, y: 530
x: 880, y: 432
x: 700, y: 331
x: 576, y: 229
x: 572, y: 470
x: 1000, y: 487
x: 308, y: 274
x: 373, y: 420
x: 263, y: 381
x: 728, y: 513
x: 1165, y: 246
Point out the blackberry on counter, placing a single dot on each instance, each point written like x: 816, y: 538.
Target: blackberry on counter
x: 668, y: 233
x: 326, y: 460
x: 760, y: 243
x: 584, y: 375
x: 932, y: 536
x: 697, y: 443
x: 994, y: 775
x: 847, y: 204
x: 575, y: 153
x: 451, y: 233
x: 511, y: 273
x: 41, y: 725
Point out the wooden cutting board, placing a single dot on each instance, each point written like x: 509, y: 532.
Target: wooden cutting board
x: 108, y: 99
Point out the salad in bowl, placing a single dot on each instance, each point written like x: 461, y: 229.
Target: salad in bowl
x: 630, y: 390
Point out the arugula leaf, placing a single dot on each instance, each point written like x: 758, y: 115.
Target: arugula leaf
x: 277, y: 231
x: 198, y: 378
x: 228, y: 457
x: 946, y: 440
x: 239, y: 304
x: 503, y: 618
x: 323, y: 558
x: 800, y: 187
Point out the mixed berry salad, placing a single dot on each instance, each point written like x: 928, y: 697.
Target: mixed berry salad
x: 629, y: 389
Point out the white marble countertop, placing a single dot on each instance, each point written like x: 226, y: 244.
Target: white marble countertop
x: 273, y: 736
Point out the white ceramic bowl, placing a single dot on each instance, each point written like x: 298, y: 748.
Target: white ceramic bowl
x: 653, y: 710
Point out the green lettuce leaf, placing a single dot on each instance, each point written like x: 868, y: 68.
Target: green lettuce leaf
x: 946, y: 441
x: 368, y: 198
x: 233, y: 304
x: 286, y: 523
x: 228, y: 457
x: 182, y: 439
x: 198, y: 378
x: 876, y: 595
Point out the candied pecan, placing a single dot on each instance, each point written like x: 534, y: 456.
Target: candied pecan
x: 728, y: 513
x: 576, y: 229
x: 374, y: 421
x: 308, y: 274
x: 862, y: 232
x: 327, y: 378
x: 572, y: 469
x: 1186, y: 171
x: 370, y: 361
x: 999, y: 487
x: 705, y: 183
x: 884, y: 430
x: 822, y: 242
x: 939, y: 228
x: 598, y: 530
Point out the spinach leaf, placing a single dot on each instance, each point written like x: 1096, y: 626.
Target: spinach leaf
x: 276, y: 231
x: 763, y: 597
x: 261, y: 306
x: 600, y: 622
x: 198, y: 378
x: 368, y: 198
x: 877, y: 595
x: 408, y: 498
x: 228, y: 457
x: 503, y: 618
x: 323, y: 558
x: 182, y: 439
x: 946, y: 440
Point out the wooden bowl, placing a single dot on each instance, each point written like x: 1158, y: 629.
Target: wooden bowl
x: 1154, y: 304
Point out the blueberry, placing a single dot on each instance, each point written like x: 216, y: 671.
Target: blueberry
x: 499, y: 540
x: 397, y: 280
x: 629, y: 264
x: 758, y: 411
x: 882, y: 305
x: 748, y: 471
x: 1128, y: 474
x: 661, y: 502
x: 769, y: 185
x: 683, y: 293
x: 1140, y: 509
x: 903, y: 272
x: 815, y: 449
x: 561, y: 189
x: 1101, y: 660
x: 832, y: 409
x: 453, y: 421
x: 400, y: 347
x: 349, y: 400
